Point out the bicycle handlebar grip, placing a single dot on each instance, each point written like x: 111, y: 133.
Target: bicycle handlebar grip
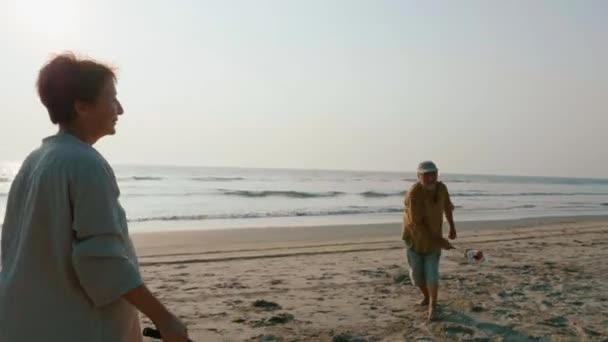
x: 151, y: 332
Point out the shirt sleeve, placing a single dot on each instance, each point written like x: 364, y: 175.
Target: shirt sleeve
x: 448, y: 205
x: 99, y: 248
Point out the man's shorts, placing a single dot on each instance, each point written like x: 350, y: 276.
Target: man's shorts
x: 424, y: 268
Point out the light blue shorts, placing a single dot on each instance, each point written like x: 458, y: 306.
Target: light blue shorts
x: 424, y: 268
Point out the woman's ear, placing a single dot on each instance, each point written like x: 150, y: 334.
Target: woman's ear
x: 80, y: 108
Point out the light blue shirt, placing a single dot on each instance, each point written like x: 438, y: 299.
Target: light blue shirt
x: 66, y: 253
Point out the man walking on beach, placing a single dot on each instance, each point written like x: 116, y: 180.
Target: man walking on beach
x: 425, y: 205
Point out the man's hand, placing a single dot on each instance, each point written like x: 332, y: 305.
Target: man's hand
x: 445, y: 244
x: 452, y: 234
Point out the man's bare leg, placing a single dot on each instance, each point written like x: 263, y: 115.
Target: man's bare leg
x: 425, y: 292
x: 433, y: 291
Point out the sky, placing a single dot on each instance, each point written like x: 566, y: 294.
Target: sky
x: 490, y: 87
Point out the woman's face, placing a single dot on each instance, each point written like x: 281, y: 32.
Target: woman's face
x: 101, y: 116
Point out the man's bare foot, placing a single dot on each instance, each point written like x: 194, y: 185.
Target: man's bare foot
x: 423, y: 302
x: 432, y: 314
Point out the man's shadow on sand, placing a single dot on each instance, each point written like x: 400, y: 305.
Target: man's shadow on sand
x: 467, y: 325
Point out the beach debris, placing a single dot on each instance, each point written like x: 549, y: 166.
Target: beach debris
x: 458, y: 330
x: 401, y: 276
x: 266, y: 305
x: 478, y: 308
x: 382, y: 289
x: 233, y: 302
x: 474, y: 256
x: 374, y: 273
x: 347, y: 338
x: 281, y: 318
x: 270, y: 338
x: 556, y: 322
x: 231, y: 285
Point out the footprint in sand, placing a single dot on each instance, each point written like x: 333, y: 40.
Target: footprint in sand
x: 458, y: 330
x: 379, y: 273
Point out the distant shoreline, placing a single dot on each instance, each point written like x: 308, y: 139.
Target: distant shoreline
x: 249, y: 224
x: 185, y: 241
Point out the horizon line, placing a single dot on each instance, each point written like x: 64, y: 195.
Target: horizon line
x: 458, y: 173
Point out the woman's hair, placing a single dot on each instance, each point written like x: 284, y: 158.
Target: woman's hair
x: 66, y: 79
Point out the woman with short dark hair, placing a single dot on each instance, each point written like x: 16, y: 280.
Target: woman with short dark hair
x: 69, y: 270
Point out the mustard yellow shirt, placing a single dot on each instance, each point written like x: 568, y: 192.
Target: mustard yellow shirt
x: 423, y: 216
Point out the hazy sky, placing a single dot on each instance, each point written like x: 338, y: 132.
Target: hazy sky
x: 507, y: 87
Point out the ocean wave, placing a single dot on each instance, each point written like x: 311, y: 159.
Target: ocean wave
x: 523, y: 206
x: 163, y: 194
x: 537, y: 180
x: 278, y: 193
x: 579, y: 206
x: 489, y: 179
x: 371, y: 194
x: 376, y: 194
x: 273, y: 214
x: 523, y: 194
x: 216, y: 179
x: 140, y: 178
x: 414, y: 180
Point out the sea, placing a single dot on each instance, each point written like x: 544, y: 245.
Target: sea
x: 164, y: 198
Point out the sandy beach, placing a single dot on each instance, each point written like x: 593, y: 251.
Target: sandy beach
x: 545, y: 280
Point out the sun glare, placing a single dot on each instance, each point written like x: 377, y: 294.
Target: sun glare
x: 50, y: 19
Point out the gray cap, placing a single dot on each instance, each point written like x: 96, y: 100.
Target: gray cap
x: 427, y: 166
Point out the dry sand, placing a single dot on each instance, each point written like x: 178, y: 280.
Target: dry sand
x: 545, y: 280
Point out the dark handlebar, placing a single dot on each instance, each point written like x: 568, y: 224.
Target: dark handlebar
x: 151, y: 332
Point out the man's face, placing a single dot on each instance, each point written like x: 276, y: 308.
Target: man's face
x: 428, y: 178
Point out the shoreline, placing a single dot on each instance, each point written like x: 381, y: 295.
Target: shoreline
x: 189, y: 241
